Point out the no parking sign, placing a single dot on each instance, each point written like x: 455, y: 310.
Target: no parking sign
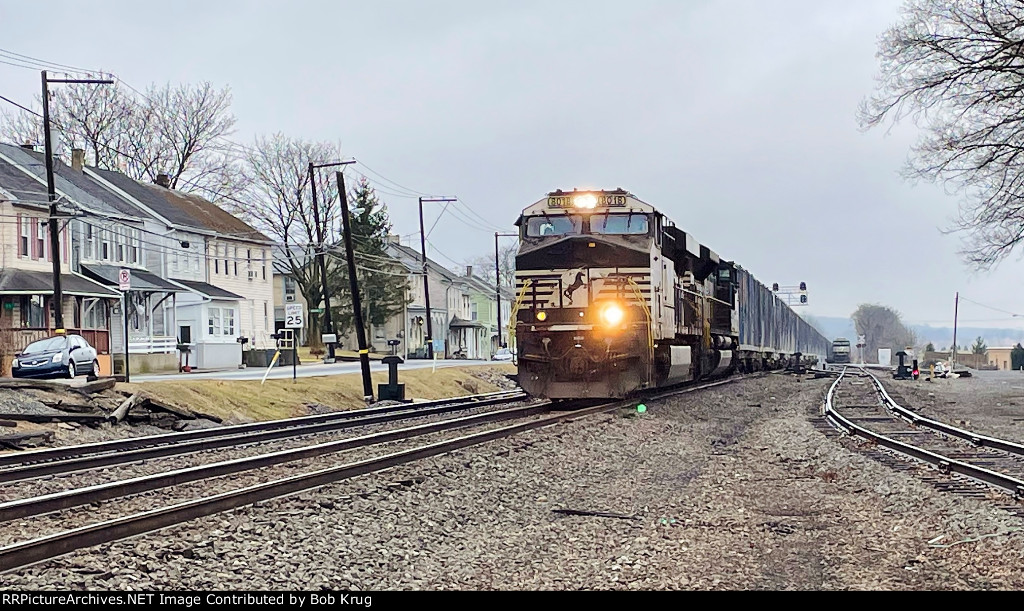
x: 124, y: 279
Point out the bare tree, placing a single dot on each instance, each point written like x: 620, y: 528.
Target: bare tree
x: 484, y: 264
x: 956, y: 68
x: 280, y: 204
x: 179, y: 131
x: 882, y: 327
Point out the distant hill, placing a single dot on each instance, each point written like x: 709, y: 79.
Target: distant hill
x: 942, y: 337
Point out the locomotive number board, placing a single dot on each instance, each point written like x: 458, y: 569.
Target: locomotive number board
x: 603, y: 201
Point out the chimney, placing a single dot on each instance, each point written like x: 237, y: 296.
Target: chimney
x: 28, y: 146
x: 469, y: 270
x: 163, y: 180
x: 78, y: 159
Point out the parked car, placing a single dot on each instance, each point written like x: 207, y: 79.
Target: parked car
x: 60, y: 355
x: 503, y: 354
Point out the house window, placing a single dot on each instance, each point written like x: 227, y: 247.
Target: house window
x: 133, y: 247
x: 105, y: 244
x: 473, y: 316
x: 23, y: 241
x: 119, y: 239
x: 216, y: 260
x: 90, y: 241
x: 94, y: 313
x: 40, y: 240
x: 225, y: 259
x: 195, y: 263
x: 263, y: 263
x: 214, y: 326
x: 266, y: 317
x: 174, y: 261
x: 33, y: 308
x: 229, y: 321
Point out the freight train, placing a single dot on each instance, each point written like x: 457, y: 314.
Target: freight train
x: 840, y: 351
x: 613, y: 298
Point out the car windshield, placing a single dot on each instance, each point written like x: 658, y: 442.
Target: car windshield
x: 554, y: 225
x: 46, y: 345
x: 619, y: 224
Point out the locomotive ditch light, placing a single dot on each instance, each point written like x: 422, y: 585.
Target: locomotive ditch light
x: 612, y: 314
x: 585, y: 200
x: 542, y: 315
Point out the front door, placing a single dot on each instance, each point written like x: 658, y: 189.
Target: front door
x: 185, y: 334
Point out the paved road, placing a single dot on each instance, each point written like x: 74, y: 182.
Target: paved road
x: 303, y: 371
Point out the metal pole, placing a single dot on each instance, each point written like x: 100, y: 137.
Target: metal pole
x: 353, y: 283
x: 426, y: 285
x: 327, y: 325
x: 956, y: 312
x: 295, y: 357
x: 54, y: 229
x: 125, y: 298
x: 497, y: 286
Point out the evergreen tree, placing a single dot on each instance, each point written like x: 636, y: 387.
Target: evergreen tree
x: 1017, y: 357
x: 930, y: 347
x: 383, y: 282
x: 979, y: 346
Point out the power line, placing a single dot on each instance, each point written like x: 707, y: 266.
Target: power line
x: 37, y: 60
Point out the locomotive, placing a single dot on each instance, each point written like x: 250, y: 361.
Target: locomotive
x: 613, y: 298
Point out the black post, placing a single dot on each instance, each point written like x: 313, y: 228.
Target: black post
x: 295, y: 356
x: 353, y: 283
x: 124, y: 312
x: 497, y: 285
x: 956, y: 313
x: 426, y: 286
x: 327, y: 325
x: 51, y: 195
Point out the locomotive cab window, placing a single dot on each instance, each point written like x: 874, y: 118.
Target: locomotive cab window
x: 632, y: 224
x: 561, y: 224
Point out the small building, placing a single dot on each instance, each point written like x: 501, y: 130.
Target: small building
x: 1000, y: 357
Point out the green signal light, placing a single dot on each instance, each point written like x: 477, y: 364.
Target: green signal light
x: 641, y: 408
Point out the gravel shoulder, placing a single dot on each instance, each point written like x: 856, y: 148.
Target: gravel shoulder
x: 729, y: 488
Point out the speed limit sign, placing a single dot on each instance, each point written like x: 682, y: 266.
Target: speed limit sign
x: 294, y: 318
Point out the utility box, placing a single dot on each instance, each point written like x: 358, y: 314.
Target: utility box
x: 392, y: 391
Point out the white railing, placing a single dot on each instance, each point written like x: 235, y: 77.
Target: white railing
x: 152, y: 345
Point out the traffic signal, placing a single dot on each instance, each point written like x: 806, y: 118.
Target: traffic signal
x: 775, y: 287
x: 803, y: 286
x: 803, y: 298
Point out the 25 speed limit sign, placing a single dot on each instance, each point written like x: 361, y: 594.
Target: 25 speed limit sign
x: 294, y: 318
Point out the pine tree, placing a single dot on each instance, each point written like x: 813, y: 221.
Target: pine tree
x: 979, y: 346
x: 382, y: 281
x: 930, y: 347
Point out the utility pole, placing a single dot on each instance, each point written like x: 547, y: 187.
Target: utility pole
x: 326, y: 324
x: 497, y: 281
x: 426, y: 278
x: 353, y: 283
x: 956, y: 312
x: 51, y: 195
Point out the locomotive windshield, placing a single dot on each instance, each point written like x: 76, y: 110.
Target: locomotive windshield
x: 575, y: 224
x: 635, y: 224
x: 554, y: 225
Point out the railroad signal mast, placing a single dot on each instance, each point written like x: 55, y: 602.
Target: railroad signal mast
x: 792, y: 295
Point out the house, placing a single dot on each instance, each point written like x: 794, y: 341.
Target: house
x: 26, y: 268
x: 1000, y: 357
x: 484, y: 304
x: 222, y: 264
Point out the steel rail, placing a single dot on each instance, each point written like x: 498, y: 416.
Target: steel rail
x: 977, y: 439
x: 84, y: 463
x: 57, y: 501
x: 132, y: 443
x: 50, y: 546
x: 944, y: 463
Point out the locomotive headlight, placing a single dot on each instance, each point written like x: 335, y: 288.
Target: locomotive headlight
x: 585, y: 200
x: 542, y: 316
x: 612, y: 314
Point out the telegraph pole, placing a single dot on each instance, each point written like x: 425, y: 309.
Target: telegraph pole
x: 51, y: 195
x: 956, y: 312
x: 426, y: 278
x: 353, y: 283
x: 497, y: 280
x: 326, y: 324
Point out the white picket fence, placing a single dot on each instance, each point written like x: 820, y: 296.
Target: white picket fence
x: 152, y: 345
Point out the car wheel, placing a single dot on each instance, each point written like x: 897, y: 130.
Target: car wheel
x: 71, y: 370
x: 94, y: 370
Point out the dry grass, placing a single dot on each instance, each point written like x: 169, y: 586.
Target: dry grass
x: 244, y: 401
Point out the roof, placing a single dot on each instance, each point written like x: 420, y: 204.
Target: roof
x: 24, y: 282
x: 141, y: 280
x: 460, y: 322
x: 207, y: 289
x: 68, y: 181
x: 20, y: 184
x: 181, y: 208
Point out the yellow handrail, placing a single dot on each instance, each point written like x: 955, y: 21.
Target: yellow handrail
x: 650, y: 326
x: 514, y: 311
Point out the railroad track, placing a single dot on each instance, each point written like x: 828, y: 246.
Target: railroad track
x: 52, y: 545
x: 22, y: 466
x: 858, y: 404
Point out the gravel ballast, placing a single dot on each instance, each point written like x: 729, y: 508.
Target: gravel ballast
x: 731, y: 487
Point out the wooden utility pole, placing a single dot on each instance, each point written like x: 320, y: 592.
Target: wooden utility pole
x: 426, y: 277
x: 353, y: 283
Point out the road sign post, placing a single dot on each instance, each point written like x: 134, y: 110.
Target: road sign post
x: 294, y: 319
x: 124, y: 282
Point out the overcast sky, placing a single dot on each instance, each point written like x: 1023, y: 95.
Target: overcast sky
x: 736, y: 119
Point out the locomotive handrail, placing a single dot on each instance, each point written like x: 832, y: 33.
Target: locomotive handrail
x: 650, y: 329
x: 514, y: 313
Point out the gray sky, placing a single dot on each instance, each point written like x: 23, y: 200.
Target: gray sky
x: 736, y: 119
